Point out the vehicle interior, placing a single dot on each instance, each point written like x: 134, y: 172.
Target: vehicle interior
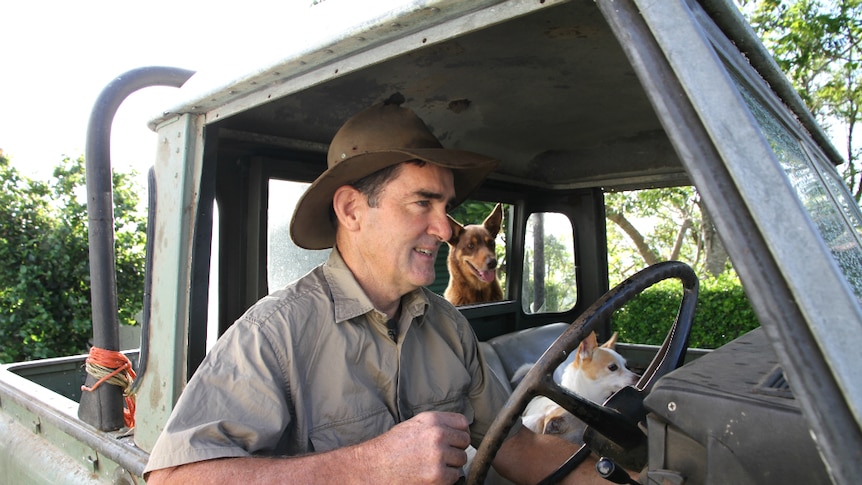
x: 554, y: 96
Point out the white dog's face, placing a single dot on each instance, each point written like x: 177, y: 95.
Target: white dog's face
x: 595, y: 374
x: 598, y: 371
x: 605, y: 375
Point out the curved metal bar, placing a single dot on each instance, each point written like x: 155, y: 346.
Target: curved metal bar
x: 103, y: 408
x: 144, y: 355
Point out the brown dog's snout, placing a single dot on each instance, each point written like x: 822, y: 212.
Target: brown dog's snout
x: 492, y: 263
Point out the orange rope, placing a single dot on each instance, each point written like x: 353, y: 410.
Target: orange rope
x: 114, y: 368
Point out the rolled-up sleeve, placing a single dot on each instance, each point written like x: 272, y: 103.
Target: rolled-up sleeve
x: 236, y: 404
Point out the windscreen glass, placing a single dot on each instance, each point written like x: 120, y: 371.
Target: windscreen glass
x: 822, y: 192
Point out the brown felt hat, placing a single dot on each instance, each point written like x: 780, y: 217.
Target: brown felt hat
x: 382, y: 135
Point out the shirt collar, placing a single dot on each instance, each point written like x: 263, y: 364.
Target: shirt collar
x: 350, y: 300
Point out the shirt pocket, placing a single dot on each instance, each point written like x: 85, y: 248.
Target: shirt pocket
x: 351, y: 431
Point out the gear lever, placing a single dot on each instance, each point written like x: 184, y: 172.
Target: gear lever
x: 611, y: 472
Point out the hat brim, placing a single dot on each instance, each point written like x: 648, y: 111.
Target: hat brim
x: 310, y: 227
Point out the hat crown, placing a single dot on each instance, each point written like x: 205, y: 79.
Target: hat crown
x: 378, y: 137
x: 382, y: 127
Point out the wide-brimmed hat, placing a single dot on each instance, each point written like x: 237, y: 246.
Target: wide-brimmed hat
x: 378, y: 137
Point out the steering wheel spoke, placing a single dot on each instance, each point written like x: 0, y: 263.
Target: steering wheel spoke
x: 617, y: 426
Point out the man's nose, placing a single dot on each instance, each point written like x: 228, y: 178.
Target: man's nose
x: 440, y: 226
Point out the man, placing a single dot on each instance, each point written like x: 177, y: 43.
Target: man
x: 355, y: 372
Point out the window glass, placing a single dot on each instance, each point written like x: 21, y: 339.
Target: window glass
x: 821, y: 191
x: 286, y: 262
x: 550, y: 280
x: 212, y: 307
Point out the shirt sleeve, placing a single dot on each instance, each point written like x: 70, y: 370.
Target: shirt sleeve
x: 236, y: 404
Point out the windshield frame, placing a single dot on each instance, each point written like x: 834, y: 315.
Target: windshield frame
x: 795, y: 286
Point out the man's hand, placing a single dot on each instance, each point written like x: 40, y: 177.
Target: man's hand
x: 428, y: 448
x: 528, y: 457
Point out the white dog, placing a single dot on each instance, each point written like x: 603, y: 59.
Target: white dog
x: 595, y: 374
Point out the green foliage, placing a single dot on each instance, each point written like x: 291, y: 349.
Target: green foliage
x: 560, y: 275
x: 551, y: 287
x: 44, y: 267
x: 672, y: 224
x: 723, y: 313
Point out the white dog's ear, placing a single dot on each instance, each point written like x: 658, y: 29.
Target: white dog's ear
x: 534, y: 422
x: 611, y: 343
x: 587, y: 347
x: 556, y: 425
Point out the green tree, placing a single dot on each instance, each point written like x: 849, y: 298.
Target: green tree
x: 558, y: 285
x: 817, y: 43
x: 723, y: 313
x: 44, y: 270
x: 676, y: 227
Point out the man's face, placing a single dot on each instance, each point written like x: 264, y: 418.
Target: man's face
x: 400, y: 237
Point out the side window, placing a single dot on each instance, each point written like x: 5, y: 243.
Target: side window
x: 286, y: 261
x: 550, y: 281
x: 212, y: 306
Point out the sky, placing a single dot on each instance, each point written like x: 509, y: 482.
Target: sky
x: 56, y: 56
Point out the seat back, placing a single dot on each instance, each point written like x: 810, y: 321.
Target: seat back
x: 507, y: 353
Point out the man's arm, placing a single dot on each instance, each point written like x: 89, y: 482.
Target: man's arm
x: 528, y: 457
x: 428, y: 448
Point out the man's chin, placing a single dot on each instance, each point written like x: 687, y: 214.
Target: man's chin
x: 423, y: 279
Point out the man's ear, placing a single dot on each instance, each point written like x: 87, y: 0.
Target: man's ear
x: 348, y: 205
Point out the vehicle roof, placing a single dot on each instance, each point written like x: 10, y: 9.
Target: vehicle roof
x: 487, y: 90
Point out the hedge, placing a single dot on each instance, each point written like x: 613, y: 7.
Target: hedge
x: 723, y: 313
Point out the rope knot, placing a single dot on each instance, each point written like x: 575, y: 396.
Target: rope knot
x: 114, y: 368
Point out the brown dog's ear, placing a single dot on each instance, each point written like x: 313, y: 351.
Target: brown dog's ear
x: 457, y: 229
x: 494, y: 221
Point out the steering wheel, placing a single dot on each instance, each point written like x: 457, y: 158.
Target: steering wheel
x: 612, y: 428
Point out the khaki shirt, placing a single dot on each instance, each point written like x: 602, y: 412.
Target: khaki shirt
x: 311, y: 368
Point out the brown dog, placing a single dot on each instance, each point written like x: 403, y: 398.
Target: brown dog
x: 472, y: 261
